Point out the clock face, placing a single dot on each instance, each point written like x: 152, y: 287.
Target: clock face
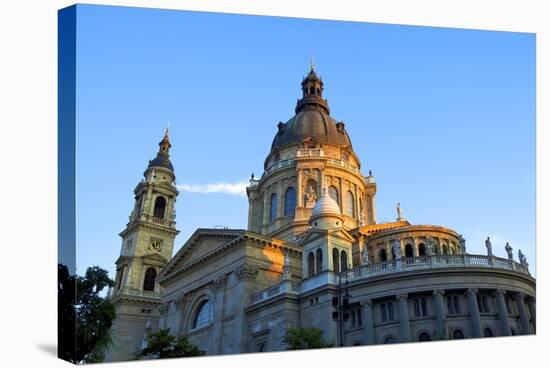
x: 155, y: 245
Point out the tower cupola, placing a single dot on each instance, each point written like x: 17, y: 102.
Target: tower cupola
x: 312, y: 93
x: 163, y: 155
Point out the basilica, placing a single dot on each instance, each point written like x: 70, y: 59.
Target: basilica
x: 313, y: 255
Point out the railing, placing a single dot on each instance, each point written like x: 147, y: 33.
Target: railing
x: 344, y: 164
x: 390, y: 267
x: 286, y: 286
x: 314, y: 152
x: 158, y: 220
x: 280, y: 165
x: 434, y: 262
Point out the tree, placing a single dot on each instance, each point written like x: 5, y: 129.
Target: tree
x: 163, y: 345
x: 305, y: 338
x: 84, y: 317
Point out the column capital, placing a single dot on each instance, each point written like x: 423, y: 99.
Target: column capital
x: 499, y: 292
x: 402, y: 296
x: 439, y: 292
x: 472, y: 291
x: 520, y: 296
x: 366, y: 303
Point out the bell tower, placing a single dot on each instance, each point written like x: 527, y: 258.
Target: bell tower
x: 147, y: 246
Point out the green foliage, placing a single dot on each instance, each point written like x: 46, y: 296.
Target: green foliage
x: 305, y: 338
x: 84, y: 317
x: 163, y: 345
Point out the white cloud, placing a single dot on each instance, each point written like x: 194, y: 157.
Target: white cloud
x: 238, y: 189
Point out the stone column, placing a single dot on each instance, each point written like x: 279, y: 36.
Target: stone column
x: 533, y: 309
x: 474, y: 312
x: 265, y: 220
x: 280, y: 199
x: 503, y: 312
x: 440, y: 314
x: 389, y: 256
x: 523, y: 317
x: 404, y: 325
x: 300, y: 199
x: 415, y: 247
x: 369, y: 321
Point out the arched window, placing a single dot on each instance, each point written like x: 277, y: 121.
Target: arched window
x: 424, y: 336
x: 310, y: 264
x: 160, y: 206
x: 421, y: 249
x: 311, y: 90
x: 273, y: 208
x: 487, y: 332
x: 445, y: 250
x: 382, y: 255
x: 333, y: 193
x: 350, y: 204
x: 149, y: 280
x: 290, y: 201
x: 344, y: 260
x: 204, y: 314
x: 389, y: 340
x: 319, y: 261
x: 458, y: 334
x: 335, y: 260
x: 409, y: 251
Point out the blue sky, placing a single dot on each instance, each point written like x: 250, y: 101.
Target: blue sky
x: 444, y: 118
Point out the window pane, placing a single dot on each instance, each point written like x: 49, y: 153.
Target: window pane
x: 204, y: 315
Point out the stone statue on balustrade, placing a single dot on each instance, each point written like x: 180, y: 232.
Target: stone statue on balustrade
x: 489, y: 247
x: 521, y: 257
x: 364, y: 256
x: 462, y: 243
x: 396, y: 247
x: 509, y: 250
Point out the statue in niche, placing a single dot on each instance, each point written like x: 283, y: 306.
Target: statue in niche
x: 396, y: 247
x: 364, y: 256
x: 431, y: 246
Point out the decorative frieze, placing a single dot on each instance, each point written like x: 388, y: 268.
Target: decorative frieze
x: 246, y: 272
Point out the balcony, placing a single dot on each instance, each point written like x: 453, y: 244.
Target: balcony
x: 313, y: 152
x: 344, y: 164
x: 280, y: 165
x: 433, y: 262
x: 281, y: 288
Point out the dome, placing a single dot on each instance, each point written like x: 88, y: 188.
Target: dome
x: 312, y: 119
x: 326, y: 205
x: 162, y: 161
x: 314, y: 124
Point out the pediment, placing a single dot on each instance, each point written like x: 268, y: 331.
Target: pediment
x: 201, y: 243
x: 336, y: 233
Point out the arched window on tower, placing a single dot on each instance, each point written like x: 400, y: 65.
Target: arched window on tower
x: 310, y: 264
x: 290, y: 201
x: 335, y: 260
x: 160, y: 207
x: 350, y: 204
x: 344, y: 260
x: 149, y: 280
x: 319, y: 261
x: 409, y: 251
x: 311, y: 90
x: 333, y: 193
x: 204, y: 314
x: 273, y: 208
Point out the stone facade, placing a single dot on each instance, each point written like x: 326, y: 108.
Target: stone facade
x: 312, y: 238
